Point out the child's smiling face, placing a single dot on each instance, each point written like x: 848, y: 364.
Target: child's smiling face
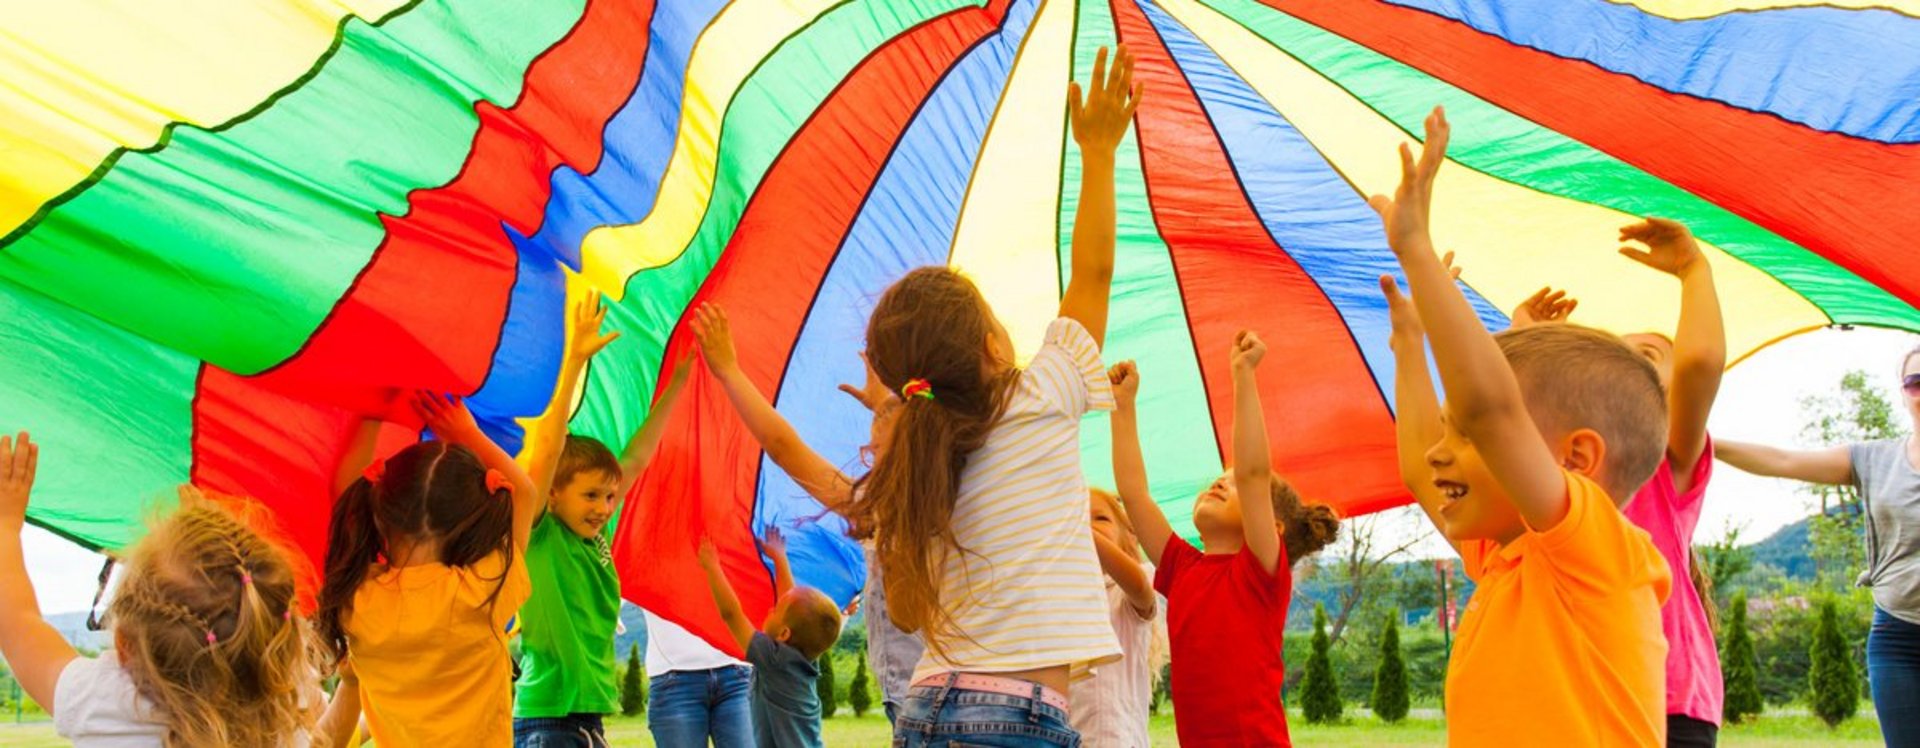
x: 585, y: 503
x: 1476, y: 506
x: 1216, y: 511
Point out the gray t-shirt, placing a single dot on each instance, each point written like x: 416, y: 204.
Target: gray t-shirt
x: 1891, y: 488
x: 786, y: 699
x: 891, y: 653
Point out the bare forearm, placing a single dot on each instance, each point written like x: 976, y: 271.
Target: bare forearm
x: 646, y: 441
x: 783, y: 444
x: 342, y: 716
x: 1699, y: 361
x: 1122, y: 565
x: 729, y: 605
x: 782, y: 573
x: 1087, y: 292
x: 1253, y: 469
x: 1130, y: 481
x: 35, y: 651
x: 357, y: 456
x: 1832, y: 466
x: 1416, y: 422
x: 543, y: 456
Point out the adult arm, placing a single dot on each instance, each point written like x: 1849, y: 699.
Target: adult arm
x: 1832, y: 466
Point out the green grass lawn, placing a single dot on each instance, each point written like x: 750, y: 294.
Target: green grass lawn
x: 1775, y: 731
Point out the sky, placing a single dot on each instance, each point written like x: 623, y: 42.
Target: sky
x: 1759, y: 402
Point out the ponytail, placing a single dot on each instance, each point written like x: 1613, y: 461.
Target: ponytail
x: 353, y: 547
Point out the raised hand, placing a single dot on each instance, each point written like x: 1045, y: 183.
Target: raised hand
x: 1125, y: 378
x: 447, y: 416
x: 19, y: 461
x: 716, y: 337
x: 1544, y: 306
x: 1400, y: 309
x: 871, y: 395
x: 587, y: 339
x: 709, y: 557
x: 1670, y: 246
x: 775, y: 543
x: 1248, y: 350
x: 1101, y: 121
x: 1406, y: 213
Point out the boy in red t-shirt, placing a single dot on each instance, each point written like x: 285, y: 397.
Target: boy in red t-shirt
x: 1226, y: 607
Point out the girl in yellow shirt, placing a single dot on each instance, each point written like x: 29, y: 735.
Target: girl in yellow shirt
x: 424, y: 570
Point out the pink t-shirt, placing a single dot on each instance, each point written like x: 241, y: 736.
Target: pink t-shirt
x: 1694, y: 688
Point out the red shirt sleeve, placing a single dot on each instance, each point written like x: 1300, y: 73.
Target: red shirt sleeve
x: 1176, y: 558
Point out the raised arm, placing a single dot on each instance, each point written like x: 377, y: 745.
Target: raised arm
x: 1832, y: 466
x: 775, y: 546
x: 646, y: 441
x: 336, y: 725
x: 583, y: 340
x: 1252, y: 458
x: 1483, y: 395
x: 1130, y: 467
x: 35, y: 650
x: 1699, y: 342
x: 358, y: 454
x: 450, y: 420
x: 1416, y: 408
x: 723, y: 597
x: 818, y: 477
x: 1123, y: 566
x: 1098, y: 126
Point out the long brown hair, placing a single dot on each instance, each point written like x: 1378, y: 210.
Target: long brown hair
x: 932, y: 324
x: 429, y: 491
x: 204, y: 623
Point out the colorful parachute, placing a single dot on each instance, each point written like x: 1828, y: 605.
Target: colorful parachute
x: 230, y: 231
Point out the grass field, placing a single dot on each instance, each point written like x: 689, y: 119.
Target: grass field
x: 1773, y: 731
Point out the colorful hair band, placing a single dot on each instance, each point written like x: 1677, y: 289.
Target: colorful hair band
x: 916, y: 388
x: 498, y: 481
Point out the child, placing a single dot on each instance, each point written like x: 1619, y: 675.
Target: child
x: 1226, y: 607
x: 892, y: 652
x: 800, y: 628
x: 974, y: 499
x: 425, y: 566
x: 567, y: 627
x: 208, y: 648
x: 1110, y: 705
x: 1561, y: 643
x: 1668, y: 507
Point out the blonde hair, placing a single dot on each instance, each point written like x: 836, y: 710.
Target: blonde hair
x: 1575, y: 377
x: 206, y: 628
x: 1129, y: 540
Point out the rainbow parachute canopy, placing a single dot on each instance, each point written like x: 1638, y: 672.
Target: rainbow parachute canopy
x: 229, y: 233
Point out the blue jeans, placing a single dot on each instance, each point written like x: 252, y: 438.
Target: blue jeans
x: 946, y: 717
x: 571, y: 731
x: 1893, y: 670
x: 687, y: 707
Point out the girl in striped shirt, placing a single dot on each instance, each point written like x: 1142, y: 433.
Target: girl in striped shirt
x: 976, y: 501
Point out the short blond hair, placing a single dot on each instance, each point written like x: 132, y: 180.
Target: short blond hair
x: 813, y: 622
x: 1575, y: 377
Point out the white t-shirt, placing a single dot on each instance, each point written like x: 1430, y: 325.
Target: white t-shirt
x: 96, y: 705
x: 1026, y: 593
x: 1110, y: 705
x: 671, y: 648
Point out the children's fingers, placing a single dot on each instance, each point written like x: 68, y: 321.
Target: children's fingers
x: 1390, y: 288
x: 1380, y: 204
x: 1408, y: 170
x: 1099, y: 71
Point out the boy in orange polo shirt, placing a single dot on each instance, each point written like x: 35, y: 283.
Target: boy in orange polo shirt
x: 1545, y: 429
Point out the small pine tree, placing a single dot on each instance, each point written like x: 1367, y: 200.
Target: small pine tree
x: 1835, y: 691
x: 1739, y: 666
x: 1320, y: 691
x: 858, y: 694
x: 1390, y: 698
x: 633, y: 688
x: 825, y: 687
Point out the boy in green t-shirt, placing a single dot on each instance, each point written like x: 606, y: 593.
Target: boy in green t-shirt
x: 568, y: 624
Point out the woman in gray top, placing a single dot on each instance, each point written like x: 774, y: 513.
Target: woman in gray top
x: 1887, y: 474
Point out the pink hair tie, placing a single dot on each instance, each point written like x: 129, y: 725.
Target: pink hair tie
x: 375, y: 471
x: 287, y: 615
x: 211, y: 639
x: 498, y: 481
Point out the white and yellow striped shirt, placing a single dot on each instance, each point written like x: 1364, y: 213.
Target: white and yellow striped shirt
x: 1026, y: 592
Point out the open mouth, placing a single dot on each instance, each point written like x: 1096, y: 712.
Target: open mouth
x: 1453, y: 492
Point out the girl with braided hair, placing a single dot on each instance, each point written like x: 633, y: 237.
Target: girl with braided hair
x: 209, y: 647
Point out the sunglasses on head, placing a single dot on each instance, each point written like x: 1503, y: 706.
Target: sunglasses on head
x: 1911, y: 384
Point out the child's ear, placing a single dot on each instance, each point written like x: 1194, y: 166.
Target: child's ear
x: 1584, y: 451
x: 785, y: 633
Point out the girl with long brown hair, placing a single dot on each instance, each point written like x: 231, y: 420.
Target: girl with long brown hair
x: 208, y: 645
x: 976, y: 500
x: 425, y: 568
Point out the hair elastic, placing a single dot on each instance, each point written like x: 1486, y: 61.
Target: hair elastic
x: 916, y: 388
x: 375, y: 471
x: 498, y: 481
x: 211, y: 639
